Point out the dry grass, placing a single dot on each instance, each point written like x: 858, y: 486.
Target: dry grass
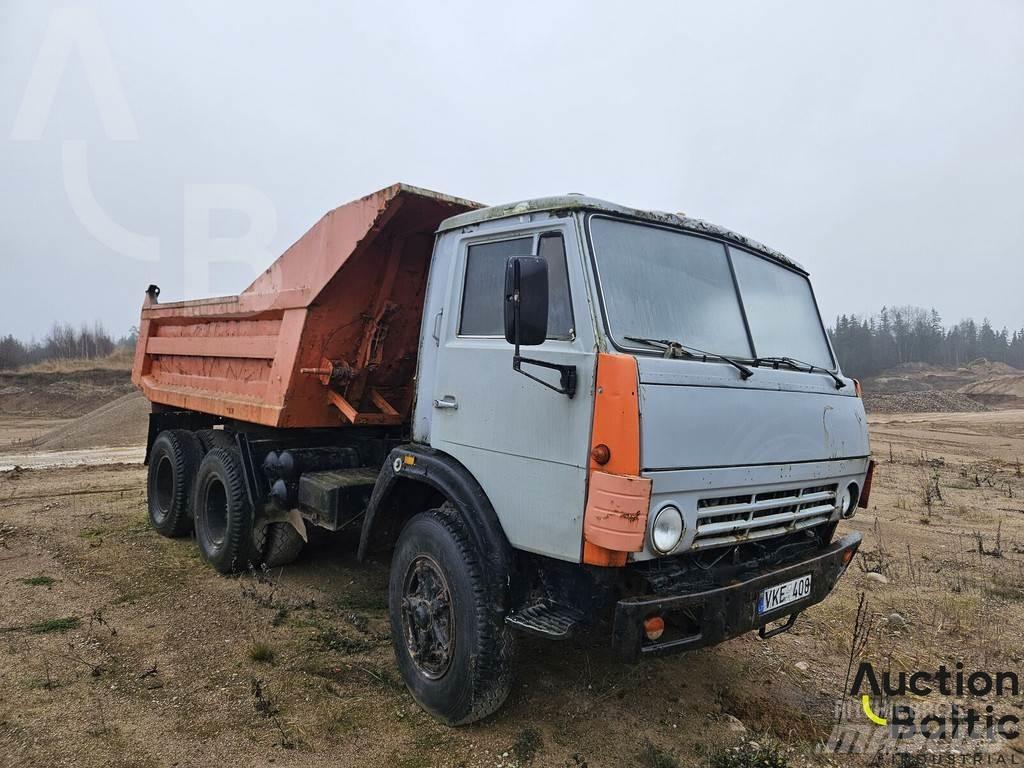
x: 261, y: 652
x: 119, y: 360
x: 63, y: 624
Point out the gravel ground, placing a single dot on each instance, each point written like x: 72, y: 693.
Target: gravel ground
x: 932, y: 401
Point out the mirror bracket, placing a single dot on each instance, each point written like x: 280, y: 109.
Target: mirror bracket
x: 567, y: 373
x: 513, y: 328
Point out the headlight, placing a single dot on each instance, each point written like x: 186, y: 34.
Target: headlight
x: 667, y: 530
x: 846, y: 503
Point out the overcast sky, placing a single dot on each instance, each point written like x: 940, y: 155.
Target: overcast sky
x: 881, y: 144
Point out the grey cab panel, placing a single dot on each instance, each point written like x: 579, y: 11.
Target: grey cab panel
x: 525, y: 444
x: 695, y: 414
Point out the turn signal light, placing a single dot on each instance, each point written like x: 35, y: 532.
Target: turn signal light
x: 601, y: 454
x: 847, y: 556
x: 654, y: 627
x: 857, y: 388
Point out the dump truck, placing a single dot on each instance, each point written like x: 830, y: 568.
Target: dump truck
x: 552, y: 417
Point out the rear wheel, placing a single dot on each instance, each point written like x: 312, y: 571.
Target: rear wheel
x: 283, y: 544
x: 223, y: 515
x: 216, y: 438
x: 173, y: 461
x: 454, y: 653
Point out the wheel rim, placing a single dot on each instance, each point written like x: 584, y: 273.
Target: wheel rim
x: 164, y: 489
x: 428, y: 621
x: 215, y: 513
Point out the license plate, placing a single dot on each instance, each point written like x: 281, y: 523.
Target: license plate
x: 788, y: 592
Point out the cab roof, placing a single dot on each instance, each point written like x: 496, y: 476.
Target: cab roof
x: 572, y: 203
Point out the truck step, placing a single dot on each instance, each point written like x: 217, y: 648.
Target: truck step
x: 547, y: 619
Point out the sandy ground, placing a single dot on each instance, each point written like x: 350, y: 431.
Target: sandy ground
x: 19, y: 432
x: 119, y: 647
x: 84, y: 457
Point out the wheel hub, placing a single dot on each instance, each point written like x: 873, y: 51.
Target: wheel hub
x: 427, y: 617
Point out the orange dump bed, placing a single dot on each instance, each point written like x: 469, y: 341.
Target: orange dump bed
x: 327, y: 336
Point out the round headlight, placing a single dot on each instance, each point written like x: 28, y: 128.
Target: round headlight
x: 847, y: 500
x: 667, y: 530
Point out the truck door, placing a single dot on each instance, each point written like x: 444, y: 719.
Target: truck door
x: 524, y: 443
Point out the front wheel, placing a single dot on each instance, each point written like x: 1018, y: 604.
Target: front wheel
x: 454, y: 653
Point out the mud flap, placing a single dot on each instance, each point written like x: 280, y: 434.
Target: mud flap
x: 294, y: 517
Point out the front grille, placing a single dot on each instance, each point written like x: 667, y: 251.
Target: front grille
x: 731, y: 519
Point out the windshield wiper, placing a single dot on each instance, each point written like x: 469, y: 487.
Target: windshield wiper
x: 800, y: 365
x: 673, y: 349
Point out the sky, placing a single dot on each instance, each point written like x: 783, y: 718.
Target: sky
x: 187, y: 144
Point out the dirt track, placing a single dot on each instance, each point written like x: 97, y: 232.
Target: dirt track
x: 85, y: 457
x: 118, y: 647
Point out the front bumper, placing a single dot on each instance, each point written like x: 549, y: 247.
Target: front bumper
x: 710, y: 616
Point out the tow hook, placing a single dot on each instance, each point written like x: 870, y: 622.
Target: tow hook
x: 765, y: 633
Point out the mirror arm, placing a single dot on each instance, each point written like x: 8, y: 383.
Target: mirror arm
x: 567, y: 373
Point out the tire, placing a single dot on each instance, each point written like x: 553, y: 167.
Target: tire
x: 470, y: 677
x: 223, y: 515
x: 173, y: 461
x: 283, y: 545
x: 216, y: 438
x: 222, y: 438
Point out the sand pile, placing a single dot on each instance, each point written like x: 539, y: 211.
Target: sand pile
x: 121, y: 422
x: 916, y: 377
x: 62, y: 394
x: 1008, y: 385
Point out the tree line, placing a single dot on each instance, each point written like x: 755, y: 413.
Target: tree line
x: 867, y: 346
x: 63, y: 342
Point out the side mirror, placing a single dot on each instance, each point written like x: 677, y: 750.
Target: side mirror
x: 526, y: 300
x: 526, y: 318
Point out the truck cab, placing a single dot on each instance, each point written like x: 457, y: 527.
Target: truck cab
x: 661, y: 302
x: 707, y: 431
x: 609, y: 420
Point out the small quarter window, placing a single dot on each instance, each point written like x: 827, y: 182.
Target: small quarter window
x: 483, y: 294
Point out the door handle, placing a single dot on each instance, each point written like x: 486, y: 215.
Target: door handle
x: 447, y: 403
x: 437, y: 327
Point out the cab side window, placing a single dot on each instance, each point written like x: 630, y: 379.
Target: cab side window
x: 483, y: 294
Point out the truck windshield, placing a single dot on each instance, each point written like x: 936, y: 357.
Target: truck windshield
x: 664, y: 284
